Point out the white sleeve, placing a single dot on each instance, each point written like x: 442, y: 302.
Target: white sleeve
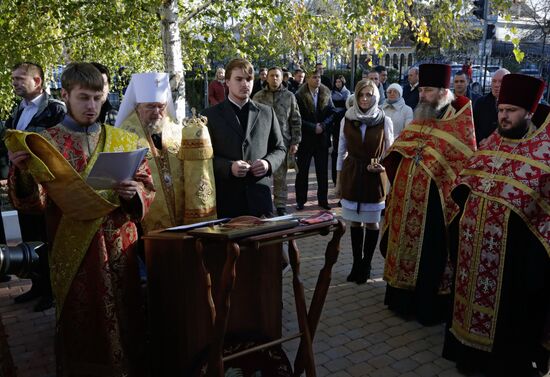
x: 388, y: 134
x: 342, y: 146
x: 408, y: 115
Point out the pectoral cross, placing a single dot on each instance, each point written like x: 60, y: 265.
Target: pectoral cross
x: 487, y: 184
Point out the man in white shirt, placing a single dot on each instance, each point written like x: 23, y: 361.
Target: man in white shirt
x: 37, y: 110
x: 317, y: 112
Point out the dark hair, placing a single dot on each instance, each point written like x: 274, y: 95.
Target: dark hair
x: 380, y: 68
x: 263, y: 69
x: 81, y: 74
x: 274, y: 68
x: 103, y: 70
x: 341, y: 78
x: 243, y: 64
x: 30, y: 67
x: 313, y: 72
x: 298, y: 70
x: 462, y: 73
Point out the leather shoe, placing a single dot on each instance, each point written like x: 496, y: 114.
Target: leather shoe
x: 5, y: 278
x: 27, y: 296
x: 44, y: 303
x: 299, y: 206
x: 324, y: 205
x: 281, y: 212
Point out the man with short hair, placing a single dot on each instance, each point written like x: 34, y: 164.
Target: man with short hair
x: 383, y: 73
x: 297, y: 80
x: 410, y: 90
x: 422, y: 165
x: 324, y: 79
x: 261, y: 82
x: 286, y: 109
x: 461, y: 84
x: 317, y: 111
x: 485, y: 108
x: 108, y: 112
x: 248, y: 146
x: 148, y: 112
x: 217, y: 89
x: 501, y: 317
x: 374, y: 76
x: 36, y: 112
x: 95, y: 279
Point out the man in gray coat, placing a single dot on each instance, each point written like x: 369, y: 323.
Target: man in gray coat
x: 248, y: 146
x: 277, y: 96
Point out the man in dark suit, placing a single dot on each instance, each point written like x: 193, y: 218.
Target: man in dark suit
x: 36, y: 112
x: 485, y: 108
x: 248, y: 146
x: 317, y: 111
x: 410, y: 91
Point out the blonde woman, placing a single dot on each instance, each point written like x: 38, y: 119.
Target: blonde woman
x: 365, y: 134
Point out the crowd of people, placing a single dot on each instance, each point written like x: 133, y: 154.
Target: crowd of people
x: 453, y: 189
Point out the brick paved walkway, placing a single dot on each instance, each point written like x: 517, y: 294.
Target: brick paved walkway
x: 357, y: 335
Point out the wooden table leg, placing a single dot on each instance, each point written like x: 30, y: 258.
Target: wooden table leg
x: 319, y: 295
x: 301, y: 309
x: 222, y: 303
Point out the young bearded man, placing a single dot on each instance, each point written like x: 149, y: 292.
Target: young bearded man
x: 500, y: 244
x: 94, y: 271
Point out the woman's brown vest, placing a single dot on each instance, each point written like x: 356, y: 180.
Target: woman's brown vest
x: 358, y: 184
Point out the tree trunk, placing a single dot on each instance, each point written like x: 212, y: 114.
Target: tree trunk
x: 171, y: 47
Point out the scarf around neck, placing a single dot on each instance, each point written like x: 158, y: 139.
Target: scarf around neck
x: 371, y: 117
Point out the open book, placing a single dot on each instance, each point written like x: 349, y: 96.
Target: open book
x: 111, y: 168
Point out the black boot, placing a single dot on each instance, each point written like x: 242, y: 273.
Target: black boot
x: 356, y: 248
x: 371, y: 239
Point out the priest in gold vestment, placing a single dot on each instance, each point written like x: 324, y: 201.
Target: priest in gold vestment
x: 99, y: 309
x: 180, y: 159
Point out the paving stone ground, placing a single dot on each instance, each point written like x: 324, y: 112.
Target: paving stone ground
x: 357, y: 334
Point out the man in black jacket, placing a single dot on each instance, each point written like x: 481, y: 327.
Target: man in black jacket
x: 410, y: 91
x: 248, y: 146
x: 36, y: 112
x: 317, y: 110
x: 485, y: 108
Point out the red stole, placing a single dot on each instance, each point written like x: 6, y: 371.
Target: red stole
x: 433, y: 149
x: 514, y: 177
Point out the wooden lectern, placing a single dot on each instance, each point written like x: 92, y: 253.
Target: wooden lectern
x: 203, y: 290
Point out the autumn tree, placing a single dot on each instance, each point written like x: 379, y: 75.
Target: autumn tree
x: 177, y: 35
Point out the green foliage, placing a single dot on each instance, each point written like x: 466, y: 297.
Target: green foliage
x: 127, y: 32
x: 55, y: 32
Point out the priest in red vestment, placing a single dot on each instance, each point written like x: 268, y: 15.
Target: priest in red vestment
x: 422, y: 165
x: 95, y: 280
x: 501, y: 309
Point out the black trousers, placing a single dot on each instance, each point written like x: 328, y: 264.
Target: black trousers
x: 33, y: 228
x: 303, y: 157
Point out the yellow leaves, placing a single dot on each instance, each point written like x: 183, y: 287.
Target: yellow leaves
x: 518, y: 54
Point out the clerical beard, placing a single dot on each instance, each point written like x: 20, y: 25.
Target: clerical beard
x: 154, y: 127
x: 518, y: 131
x: 425, y: 110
